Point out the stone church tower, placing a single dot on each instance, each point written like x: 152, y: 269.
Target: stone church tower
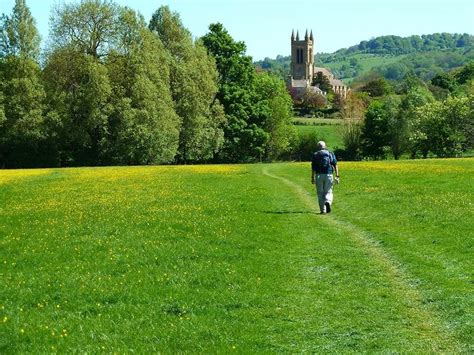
x: 302, y: 58
x: 303, y: 69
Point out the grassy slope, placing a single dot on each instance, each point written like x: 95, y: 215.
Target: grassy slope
x: 367, y: 62
x: 234, y: 257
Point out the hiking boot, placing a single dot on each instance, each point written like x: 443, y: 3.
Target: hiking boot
x: 328, y: 207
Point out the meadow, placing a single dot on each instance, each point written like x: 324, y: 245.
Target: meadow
x: 236, y: 258
x: 329, y: 130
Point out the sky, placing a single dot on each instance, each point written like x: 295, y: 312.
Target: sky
x: 265, y: 25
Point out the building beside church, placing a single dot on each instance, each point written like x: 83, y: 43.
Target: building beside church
x: 303, y: 69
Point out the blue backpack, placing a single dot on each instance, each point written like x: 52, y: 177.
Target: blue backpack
x: 322, y: 161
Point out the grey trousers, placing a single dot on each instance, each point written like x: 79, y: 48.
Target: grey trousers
x: 324, y: 184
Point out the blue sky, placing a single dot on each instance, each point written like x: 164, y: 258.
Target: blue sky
x: 265, y: 25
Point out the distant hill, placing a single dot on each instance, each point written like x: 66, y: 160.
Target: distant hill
x: 391, y: 56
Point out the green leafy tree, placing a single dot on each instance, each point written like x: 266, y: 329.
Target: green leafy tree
x: 19, y: 36
x: 385, y: 129
x: 245, y: 138
x: 446, y: 128
x: 193, y: 86
x: 465, y: 74
x: 78, y: 91
x: 445, y: 81
x: 322, y: 81
x: 375, y: 137
x: 257, y: 106
x: 143, y: 127
x: 377, y: 87
x: 416, y: 96
x: 90, y: 27
x: 108, y: 84
x: 275, y: 107
x: 22, y: 92
x: 397, y: 126
x: 78, y: 86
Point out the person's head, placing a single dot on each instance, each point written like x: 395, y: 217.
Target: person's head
x: 321, y: 145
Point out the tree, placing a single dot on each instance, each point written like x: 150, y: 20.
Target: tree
x: 275, y: 107
x: 19, y: 36
x: 108, y: 84
x: 21, y: 88
x: 397, y: 126
x: 355, y: 105
x: 78, y: 93
x: 245, y: 139
x: 375, y: 137
x: 320, y: 80
x: 338, y: 102
x: 143, y: 126
x: 445, y: 81
x: 465, y: 74
x: 313, y: 99
x: 193, y: 86
x: 257, y: 106
x: 446, y: 127
x: 416, y: 96
x: 377, y: 87
x: 90, y: 27
x: 2, y: 110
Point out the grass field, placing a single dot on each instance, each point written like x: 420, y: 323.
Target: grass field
x: 235, y: 258
x: 328, y: 130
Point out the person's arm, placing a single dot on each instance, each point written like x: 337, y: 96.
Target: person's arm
x: 336, y: 168
x: 312, y: 176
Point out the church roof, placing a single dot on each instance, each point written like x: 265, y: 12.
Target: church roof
x: 326, y: 72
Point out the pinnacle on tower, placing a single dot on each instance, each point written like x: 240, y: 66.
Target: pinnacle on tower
x: 311, y: 36
x: 292, y: 35
x: 306, y: 35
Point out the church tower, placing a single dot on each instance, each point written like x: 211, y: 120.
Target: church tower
x: 302, y: 59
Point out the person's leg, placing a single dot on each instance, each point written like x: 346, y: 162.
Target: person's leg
x: 320, y: 179
x: 328, y: 195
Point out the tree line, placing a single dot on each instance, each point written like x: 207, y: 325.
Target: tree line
x: 396, y: 45
x: 411, y: 117
x: 112, y: 89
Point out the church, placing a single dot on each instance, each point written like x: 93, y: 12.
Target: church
x: 303, y: 69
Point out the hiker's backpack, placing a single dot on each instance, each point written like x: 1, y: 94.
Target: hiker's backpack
x: 321, y: 162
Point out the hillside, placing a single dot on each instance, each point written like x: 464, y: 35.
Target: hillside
x: 391, y: 56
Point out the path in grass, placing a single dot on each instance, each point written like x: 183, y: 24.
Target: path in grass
x: 426, y: 322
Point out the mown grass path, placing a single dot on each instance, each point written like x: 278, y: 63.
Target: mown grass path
x: 230, y: 258
x: 423, y: 321
x: 417, y: 218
